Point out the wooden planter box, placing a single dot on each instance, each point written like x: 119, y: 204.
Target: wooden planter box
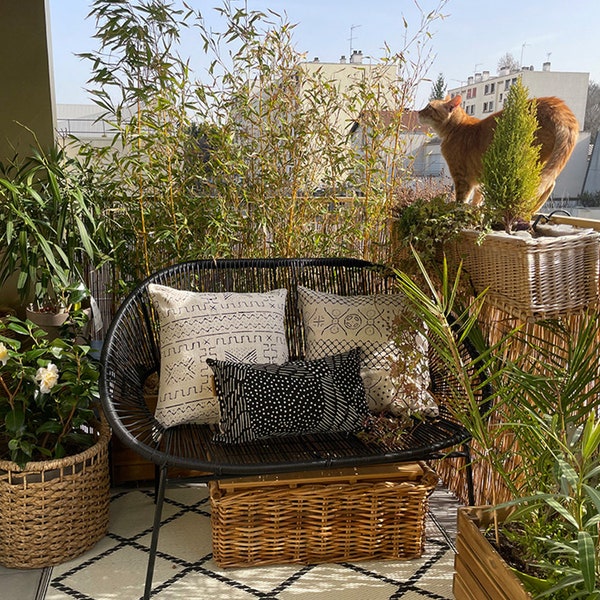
x: 553, y: 275
x: 480, y: 573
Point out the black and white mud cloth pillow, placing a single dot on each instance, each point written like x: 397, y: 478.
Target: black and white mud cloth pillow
x: 241, y: 327
x: 334, y: 323
x: 300, y: 397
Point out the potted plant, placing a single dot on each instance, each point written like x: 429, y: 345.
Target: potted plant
x: 50, y: 231
x: 54, y: 488
x: 540, y: 441
x: 429, y: 224
x: 549, y: 547
x: 512, y: 170
x: 532, y: 271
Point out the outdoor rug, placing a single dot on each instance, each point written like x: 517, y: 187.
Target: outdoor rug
x: 115, y: 568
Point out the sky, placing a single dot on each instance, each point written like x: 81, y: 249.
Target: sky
x: 471, y: 37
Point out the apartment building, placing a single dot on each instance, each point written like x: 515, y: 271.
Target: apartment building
x: 483, y: 94
x: 351, y: 73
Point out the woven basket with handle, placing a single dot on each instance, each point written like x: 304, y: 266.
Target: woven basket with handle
x: 351, y: 514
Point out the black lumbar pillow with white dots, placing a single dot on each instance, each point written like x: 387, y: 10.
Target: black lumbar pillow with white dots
x: 299, y: 397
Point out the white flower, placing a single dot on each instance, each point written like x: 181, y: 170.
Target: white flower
x: 48, y: 377
x: 3, y: 354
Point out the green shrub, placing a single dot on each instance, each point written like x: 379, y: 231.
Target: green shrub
x: 511, y: 166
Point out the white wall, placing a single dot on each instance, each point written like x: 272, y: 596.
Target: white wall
x: 570, y: 182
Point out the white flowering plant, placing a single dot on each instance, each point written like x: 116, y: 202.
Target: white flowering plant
x: 48, y: 394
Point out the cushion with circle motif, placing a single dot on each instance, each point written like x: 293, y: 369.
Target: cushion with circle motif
x: 334, y: 323
x: 299, y: 397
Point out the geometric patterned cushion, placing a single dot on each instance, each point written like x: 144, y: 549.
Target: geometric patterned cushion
x: 194, y: 326
x: 334, y: 323
x: 260, y: 401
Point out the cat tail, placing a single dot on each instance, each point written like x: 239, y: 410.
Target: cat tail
x: 566, y: 135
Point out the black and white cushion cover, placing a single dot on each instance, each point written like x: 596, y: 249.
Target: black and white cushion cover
x: 242, y: 327
x: 334, y: 323
x: 300, y: 397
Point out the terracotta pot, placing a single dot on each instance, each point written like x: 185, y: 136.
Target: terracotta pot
x: 479, y: 571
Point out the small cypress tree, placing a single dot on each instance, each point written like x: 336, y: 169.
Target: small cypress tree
x: 438, y: 89
x: 511, y: 165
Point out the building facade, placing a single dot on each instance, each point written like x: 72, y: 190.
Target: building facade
x: 483, y: 94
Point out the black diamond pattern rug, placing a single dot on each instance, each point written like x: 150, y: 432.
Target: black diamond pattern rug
x: 115, y: 568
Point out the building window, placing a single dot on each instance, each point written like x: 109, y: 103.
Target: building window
x: 490, y: 88
x: 488, y: 107
x: 506, y: 85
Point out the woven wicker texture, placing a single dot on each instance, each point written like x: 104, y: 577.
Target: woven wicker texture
x: 54, y: 510
x: 534, y: 278
x: 332, y: 521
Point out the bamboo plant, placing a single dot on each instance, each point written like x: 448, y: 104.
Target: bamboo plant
x: 253, y: 158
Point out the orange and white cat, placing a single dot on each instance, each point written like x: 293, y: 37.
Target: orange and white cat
x: 465, y: 140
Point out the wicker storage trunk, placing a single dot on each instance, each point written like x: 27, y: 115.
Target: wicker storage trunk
x: 53, y: 511
x: 345, y: 515
x: 533, y: 278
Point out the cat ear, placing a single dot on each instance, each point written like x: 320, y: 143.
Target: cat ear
x: 454, y: 102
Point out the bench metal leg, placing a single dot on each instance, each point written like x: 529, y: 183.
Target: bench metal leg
x: 159, y: 499
x: 156, y: 481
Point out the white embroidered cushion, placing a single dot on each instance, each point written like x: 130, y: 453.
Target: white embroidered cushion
x: 334, y: 324
x: 194, y: 326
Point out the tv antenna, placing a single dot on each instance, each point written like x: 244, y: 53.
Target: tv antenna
x: 522, y: 50
x: 351, y: 38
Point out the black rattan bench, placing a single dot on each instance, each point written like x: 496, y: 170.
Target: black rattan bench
x: 131, y: 354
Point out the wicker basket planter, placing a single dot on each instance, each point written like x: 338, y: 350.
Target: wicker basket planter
x: 533, y: 278
x: 350, y: 514
x: 479, y: 571
x: 53, y: 511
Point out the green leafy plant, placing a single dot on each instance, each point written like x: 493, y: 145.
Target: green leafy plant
x: 50, y: 229
x: 428, y: 224
x: 557, y: 435
x: 254, y: 158
x: 511, y: 166
x: 48, y: 391
x: 570, y: 558
x: 546, y: 401
x: 448, y: 318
